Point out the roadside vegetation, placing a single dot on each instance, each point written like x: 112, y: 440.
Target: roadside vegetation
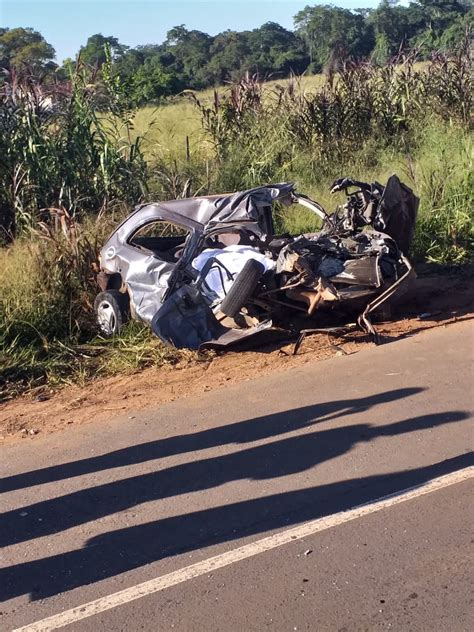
x: 76, y: 155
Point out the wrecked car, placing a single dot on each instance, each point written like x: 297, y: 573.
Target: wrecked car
x: 210, y: 271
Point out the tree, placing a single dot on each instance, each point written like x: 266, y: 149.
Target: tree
x: 444, y: 23
x: 455, y: 33
x: 324, y: 36
x: 392, y: 28
x: 151, y: 82
x: 441, y: 13
x: 189, y: 55
x: 25, y: 46
x: 93, y: 53
x: 229, y: 54
x: 331, y: 32
x: 274, y: 49
x: 128, y: 64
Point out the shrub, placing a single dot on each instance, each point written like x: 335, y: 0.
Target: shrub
x: 58, y: 151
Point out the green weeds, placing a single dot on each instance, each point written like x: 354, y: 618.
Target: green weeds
x: 58, y: 152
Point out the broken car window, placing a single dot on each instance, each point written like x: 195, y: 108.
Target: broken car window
x: 164, y: 239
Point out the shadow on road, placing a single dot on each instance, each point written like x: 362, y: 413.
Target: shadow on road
x: 126, y: 549
x: 276, y: 459
x: 237, y: 433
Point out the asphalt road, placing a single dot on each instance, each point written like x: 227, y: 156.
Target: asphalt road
x: 223, y: 511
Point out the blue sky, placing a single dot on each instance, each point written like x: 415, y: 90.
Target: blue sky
x: 66, y: 24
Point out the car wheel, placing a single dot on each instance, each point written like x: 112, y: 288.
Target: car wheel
x: 242, y: 288
x: 112, y: 310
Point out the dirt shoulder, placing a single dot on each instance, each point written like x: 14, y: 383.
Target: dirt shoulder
x: 437, y: 299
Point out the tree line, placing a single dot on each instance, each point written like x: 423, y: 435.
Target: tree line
x: 324, y: 36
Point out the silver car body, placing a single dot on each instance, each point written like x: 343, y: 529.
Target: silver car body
x: 145, y: 275
x: 155, y: 271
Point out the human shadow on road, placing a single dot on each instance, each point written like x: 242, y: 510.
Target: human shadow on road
x: 276, y: 459
x: 236, y: 433
x: 120, y: 551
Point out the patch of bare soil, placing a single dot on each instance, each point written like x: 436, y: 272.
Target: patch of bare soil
x: 436, y: 299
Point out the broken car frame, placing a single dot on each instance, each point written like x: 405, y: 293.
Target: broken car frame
x: 209, y: 271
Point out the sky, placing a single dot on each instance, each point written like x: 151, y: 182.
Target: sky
x: 66, y: 24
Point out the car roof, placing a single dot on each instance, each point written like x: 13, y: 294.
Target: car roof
x: 227, y: 207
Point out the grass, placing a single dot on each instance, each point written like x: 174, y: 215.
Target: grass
x: 30, y: 368
x: 440, y: 171
x: 444, y: 178
x: 166, y: 127
x: 47, y: 330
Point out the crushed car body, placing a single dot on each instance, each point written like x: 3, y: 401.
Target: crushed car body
x: 210, y: 271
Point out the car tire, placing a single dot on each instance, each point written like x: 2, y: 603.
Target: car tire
x: 112, y: 309
x: 242, y: 288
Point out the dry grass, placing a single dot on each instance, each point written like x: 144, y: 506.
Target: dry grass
x: 166, y: 127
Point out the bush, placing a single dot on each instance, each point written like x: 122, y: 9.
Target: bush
x: 443, y: 178
x: 59, y: 152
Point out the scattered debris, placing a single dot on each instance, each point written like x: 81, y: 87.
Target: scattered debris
x: 427, y: 315
x: 210, y: 272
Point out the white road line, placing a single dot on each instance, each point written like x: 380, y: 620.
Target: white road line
x: 243, y: 552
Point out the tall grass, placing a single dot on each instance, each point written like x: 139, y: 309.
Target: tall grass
x: 443, y: 176
x: 58, y: 152
x: 69, y: 164
x: 164, y: 128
